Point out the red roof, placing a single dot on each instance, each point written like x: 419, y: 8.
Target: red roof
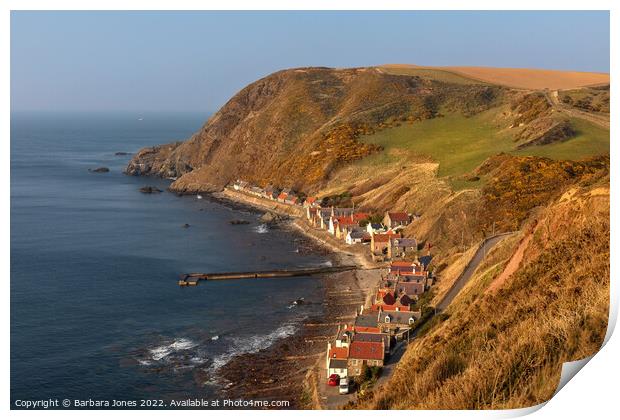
x: 360, y: 216
x: 338, y: 353
x: 282, y: 196
x: 396, y: 307
x: 310, y: 200
x: 403, y: 263
x: 367, y: 329
x: 403, y: 267
x: 384, y: 237
x: 399, y: 216
x: 366, y: 350
x: 344, y: 221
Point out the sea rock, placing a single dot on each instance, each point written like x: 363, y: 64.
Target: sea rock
x: 122, y: 154
x: 239, y: 222
x: 101, y: 169
x: 149, y: 190
x: 270, y: 218
x: 186, y: 225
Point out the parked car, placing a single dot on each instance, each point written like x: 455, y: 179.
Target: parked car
x: 344, y: 386
x: 333, y: 379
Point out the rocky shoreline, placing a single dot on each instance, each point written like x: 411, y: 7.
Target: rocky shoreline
x: 281, y: 371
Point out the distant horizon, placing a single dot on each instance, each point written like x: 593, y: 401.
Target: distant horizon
x: 196, y: 61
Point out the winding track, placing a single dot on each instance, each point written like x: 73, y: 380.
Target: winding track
x: 554, y: 100
x: 469, y: 270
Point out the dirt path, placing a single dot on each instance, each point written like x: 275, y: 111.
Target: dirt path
x: 554, y: 101
x: 513, y: 264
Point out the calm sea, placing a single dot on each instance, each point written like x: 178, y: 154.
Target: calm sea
x: 95, y: 308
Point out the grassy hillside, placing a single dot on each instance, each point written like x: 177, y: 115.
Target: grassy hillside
x: 456, y: 142
x: 590, y: 140
x: 459, y: 144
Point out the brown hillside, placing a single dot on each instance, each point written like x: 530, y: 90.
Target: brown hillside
x: 294, y: 127
x: 505, y: 349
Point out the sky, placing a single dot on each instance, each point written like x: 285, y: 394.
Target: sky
x: 195, y: 61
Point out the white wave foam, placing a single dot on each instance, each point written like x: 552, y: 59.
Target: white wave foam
x: 263, y: 228
x: 326, y: 264
x: 160, y: 352
x: 252, y: 344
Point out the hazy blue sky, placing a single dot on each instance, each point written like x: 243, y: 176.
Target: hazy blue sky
x: 194, y: 61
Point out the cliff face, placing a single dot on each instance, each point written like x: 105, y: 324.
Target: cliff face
x: 294, y: 127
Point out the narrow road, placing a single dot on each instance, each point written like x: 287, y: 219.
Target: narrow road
x: 554, y: 100
x: 470, y: 268
x: 329, y: 395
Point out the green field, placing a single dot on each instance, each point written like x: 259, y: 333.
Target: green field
x: 459, y: 144
x: 591, y: 140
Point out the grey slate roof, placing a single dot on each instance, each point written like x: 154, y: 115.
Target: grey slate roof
x: 376, y: 338
x: 337, y: 364
x: 425, y: 260
x: 358, y: 234
x: 405, y: 242
x: 366, y: 320
x: 397, y: 317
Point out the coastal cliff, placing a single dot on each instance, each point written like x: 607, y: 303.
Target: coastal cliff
x: 295, y: 127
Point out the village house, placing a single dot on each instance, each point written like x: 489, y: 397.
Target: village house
x: 257, y: 191
x: 373, y: 228
x: 283, y: 194
x: 240, y: 185
x: 311, y: 213
x: 374, y: 338
x: 401, y: 247
x: 398, y: 306
x: 367, y: 323
x: 341, y: 211
x: 405, y: 268
x: 311, y: 202
x: 339, y: 226
x: 334, y: 222
x: 380, y: 242
x: 397, y: 322
x: 357, y: 236
x: 410, y: 288
x: 291, y: 199
x: 323, y: 218
x: 337, y: 360
x: 364, y: 353
x: 269, y: 191
x: 393, y: 219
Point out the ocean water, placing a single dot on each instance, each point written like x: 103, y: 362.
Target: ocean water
x: 95, y: 308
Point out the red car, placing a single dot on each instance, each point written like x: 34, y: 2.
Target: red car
x: 333, y: 380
